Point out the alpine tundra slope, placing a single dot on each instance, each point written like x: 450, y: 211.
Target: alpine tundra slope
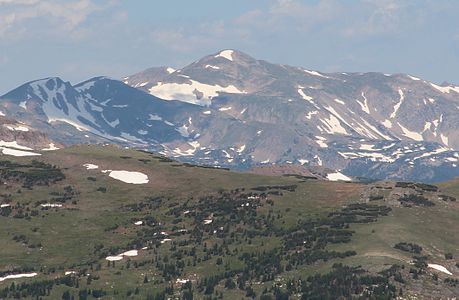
x: 101, y: 222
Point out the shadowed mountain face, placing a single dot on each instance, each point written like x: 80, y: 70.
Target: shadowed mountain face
x: 229, y: 109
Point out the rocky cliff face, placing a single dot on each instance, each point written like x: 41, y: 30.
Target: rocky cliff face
x: 18, y: 139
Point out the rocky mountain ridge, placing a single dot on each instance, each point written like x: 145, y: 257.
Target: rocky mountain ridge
x: 231, y: 110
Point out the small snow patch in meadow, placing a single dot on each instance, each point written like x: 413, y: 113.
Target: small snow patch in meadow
x: 128, y: 177
x: 90, y: 166
x: 165, y: 240
x: 207, y: 112
x: 130, y: 253
x: 207, y: 221
x: 114, y: 258
x: 225, y: 108
x: 70, y: 272
x: 17, y: 276
x: 138, y: 223
x: 51, y: 205
x: 182, y: 281
x: 337, y: 176
x: 118, y: 257
x: 439, y: 268
x: 4, y: 205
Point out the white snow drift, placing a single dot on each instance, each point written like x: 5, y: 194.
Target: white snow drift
x: 439, y: 268
x: 15, y: 152
x: 17, y: 276
x: 194, y: 92
x: 128, y: 176
x: 52, y: 205
x: 14, y: 149
x: 118, y: 257
x: 337, y: 176
x: 51, y: 147
x: 91, y: 166
x: 228, y: 54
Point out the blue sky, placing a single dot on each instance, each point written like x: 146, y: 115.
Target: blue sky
x: 78, y: 39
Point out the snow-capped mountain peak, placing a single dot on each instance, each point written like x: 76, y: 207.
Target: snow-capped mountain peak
x: 229, y: 109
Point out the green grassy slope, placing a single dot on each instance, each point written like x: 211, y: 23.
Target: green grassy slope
x: 267, y: 236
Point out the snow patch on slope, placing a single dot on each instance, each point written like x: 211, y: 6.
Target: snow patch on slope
x: 315, y: 73
x: 439, y: 268
x: 411, y: 134
x: 15, y: 152
x: 51, y: 147
x: 364, y: 105
x: 128, y: 176
x: 445, y: 89
x: 212, y: 67
x: 337, y: 176
x: 194, y: 92
x: 50, y: 99
x: 304, y: 96
x: 397, y: 106
x: 17, y: 276
x: 228, y: 54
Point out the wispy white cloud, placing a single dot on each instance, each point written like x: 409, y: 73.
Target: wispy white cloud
x: 331, y: 35
x: 19, y: 17
x: 21, y: 2
x: 357, y: 18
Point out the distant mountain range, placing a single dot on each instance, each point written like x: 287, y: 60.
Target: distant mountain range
x: 231, y: 110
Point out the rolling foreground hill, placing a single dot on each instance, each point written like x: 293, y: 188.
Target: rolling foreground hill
x: 89, y: 222
x: 231, y: 110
